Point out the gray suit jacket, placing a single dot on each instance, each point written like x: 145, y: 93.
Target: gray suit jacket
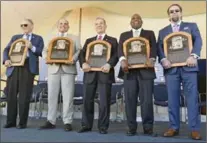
x: 70, y: 69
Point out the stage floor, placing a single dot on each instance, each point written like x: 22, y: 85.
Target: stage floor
x: 116, y: 133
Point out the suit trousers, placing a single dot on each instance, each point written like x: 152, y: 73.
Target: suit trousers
x: 20, y: 82
x: 67, y: 84
x: 142, y: 88
x: 189, y: 81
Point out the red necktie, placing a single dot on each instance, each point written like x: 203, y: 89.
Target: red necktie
x: 99, y: 37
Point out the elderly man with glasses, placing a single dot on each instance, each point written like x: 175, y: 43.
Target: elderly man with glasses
x: 20, y: 78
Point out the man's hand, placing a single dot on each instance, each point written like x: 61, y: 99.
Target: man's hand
x: 150, y: 62
x: 191, y: 61
x: 106, y: 68
x: 125, y: 66
x: 69, y: 62
x: 86, y: 67
x: 8, y: 63
x: 166, y: 64
x: 28, y: 44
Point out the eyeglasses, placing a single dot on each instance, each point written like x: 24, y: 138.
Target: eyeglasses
x: 176, y: 11
x: 24, y: 25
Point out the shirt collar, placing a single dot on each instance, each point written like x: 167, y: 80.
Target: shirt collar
x: 27, y: 34
x: 102, y: 35
x: 64, y: 34
x: 139, y: 30
x: 177, y: 23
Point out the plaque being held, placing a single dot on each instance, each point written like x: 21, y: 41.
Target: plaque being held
x: 98, y: 53
x: 177, y: 48
x: 137, y: 51
x: 60, y: 50
x: 18, y: 52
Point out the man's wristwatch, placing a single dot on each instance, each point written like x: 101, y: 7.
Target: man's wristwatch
x: 194, y: 56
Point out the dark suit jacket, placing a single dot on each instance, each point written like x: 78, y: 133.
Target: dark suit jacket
x: 92, y: 76
x: 190, y: 28
x: 36, y: 41
x: 148, y: 73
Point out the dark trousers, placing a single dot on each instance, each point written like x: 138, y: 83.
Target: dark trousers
x: 143, y: 88
x: 104, y: 106
x: 21, y: 81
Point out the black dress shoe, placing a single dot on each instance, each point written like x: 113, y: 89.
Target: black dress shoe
x: 9, y: 125
x: 131, y: 133
x: 84, y: 129
x: 103, y: 131
x: 67, y: 127
x: 21, y: 126
x: 47, y: 125
x: 148, y: 131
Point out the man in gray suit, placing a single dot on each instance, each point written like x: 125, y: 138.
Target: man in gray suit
x: 61, y: 75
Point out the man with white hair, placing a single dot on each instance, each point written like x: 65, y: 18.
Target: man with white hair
x: 20, y: 78
x: 61, y: 76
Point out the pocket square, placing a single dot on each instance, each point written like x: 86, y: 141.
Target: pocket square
x: 185, y: 28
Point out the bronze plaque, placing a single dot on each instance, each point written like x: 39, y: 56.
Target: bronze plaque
x: 60, y: 50
x: 97, y: 54
x: 137, y: 51
x: 18, y: 52
x: 177, y: 48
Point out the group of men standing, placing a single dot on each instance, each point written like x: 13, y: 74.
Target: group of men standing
x: 136, y: 81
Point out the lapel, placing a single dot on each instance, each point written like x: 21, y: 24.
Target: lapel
x: 169, y: 29
x: 182, y: 25
x: 130, y: 34
x: 142, y: 33
x: 32, y: 38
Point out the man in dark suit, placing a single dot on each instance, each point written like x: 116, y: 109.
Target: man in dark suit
x: 20, y: 78
x: 138, y: 81
x: 93, y: 79
x: 185, y: 74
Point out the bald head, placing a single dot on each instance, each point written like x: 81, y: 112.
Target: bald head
x: 63, y: 25
x: 136, y: 21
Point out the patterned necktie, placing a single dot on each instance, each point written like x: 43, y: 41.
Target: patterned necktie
x: 176, y: 28
x: 99, y: 37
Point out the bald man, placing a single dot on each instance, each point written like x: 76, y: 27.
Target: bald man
x: 20, y: 78
x: 139, y: 80
x: 62, y: 76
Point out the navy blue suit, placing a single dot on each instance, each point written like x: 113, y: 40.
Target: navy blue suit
x: 20, y: 80
x: 36, y: 41
x: 186, y: 75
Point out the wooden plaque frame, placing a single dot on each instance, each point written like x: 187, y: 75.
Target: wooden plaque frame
x: 90, y: 45
x: 24, y: 54
x: 147, y: 51
x: 190, y: 46
x: 70, y: 51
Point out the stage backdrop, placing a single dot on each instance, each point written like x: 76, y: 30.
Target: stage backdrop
x: 81, y: 17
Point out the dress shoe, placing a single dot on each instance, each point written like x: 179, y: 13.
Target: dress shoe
x: 103, y: 131
x: 131, y: 133
x: 171, y: 133
x: 195, y: 135
x: 21, y: 126
x: 148, y: 131
x: 9, y: 125
x: 67, y: 127
x: 47, y: 125
x: 84, y: 129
